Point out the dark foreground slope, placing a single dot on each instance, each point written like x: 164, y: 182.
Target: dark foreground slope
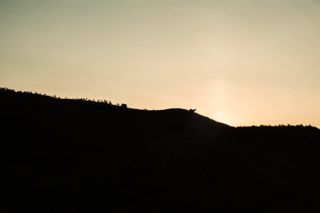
x: 62, y: 155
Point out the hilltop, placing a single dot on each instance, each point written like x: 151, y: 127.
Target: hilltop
x: 76, y: 155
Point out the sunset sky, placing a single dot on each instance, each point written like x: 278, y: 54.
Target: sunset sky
x: 241, y: 62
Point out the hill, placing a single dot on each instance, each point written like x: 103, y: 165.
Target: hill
x: 65, y: 155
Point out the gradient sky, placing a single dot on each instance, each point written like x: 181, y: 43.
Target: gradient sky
x: 242, y: 62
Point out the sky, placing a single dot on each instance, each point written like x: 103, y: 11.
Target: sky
x: 247, y: 62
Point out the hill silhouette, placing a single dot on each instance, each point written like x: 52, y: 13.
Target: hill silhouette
x: 76, y: 155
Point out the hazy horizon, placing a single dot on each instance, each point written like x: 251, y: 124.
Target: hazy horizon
x: 247, y: 62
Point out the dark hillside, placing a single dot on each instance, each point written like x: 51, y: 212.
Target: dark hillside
x: 63, y: 155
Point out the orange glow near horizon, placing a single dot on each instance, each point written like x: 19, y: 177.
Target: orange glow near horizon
x: 247, y: 62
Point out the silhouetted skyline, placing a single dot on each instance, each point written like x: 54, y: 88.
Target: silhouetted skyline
x: 244, y: 62
x: 87, y: 156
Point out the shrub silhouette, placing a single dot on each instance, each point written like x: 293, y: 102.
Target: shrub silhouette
x: 90, y: 154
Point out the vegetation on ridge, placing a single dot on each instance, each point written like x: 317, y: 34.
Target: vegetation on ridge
x: 76, y: 155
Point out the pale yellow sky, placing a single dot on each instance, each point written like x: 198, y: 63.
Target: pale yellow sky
x: 245, y: 62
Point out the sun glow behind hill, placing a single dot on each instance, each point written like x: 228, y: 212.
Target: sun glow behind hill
x: 239, y: 62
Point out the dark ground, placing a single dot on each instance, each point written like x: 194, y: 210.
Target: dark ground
x: 61, y: 155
